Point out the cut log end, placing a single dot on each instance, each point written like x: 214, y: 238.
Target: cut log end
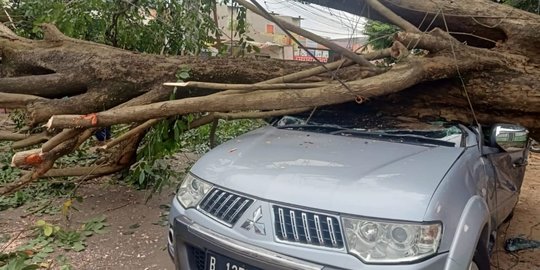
x: 27, y: 158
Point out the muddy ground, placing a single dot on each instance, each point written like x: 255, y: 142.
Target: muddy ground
x: 136, y: 237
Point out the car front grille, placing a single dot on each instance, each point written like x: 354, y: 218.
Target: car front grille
x: 225, y: 206
x: 298, y: 226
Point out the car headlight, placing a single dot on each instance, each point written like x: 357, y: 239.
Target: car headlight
x: 389, y: 242
x: 191, y: 191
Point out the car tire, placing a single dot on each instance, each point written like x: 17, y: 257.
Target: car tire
x: 481, y: 258
x: 535, y: 147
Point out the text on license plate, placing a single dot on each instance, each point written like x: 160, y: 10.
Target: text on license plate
x: 219, y: 262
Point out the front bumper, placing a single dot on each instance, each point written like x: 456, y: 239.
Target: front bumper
x: 187, y: 237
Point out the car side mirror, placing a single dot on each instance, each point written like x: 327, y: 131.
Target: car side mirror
x: 510, y: 138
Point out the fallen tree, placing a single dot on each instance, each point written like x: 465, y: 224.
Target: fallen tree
x: 472, y: 50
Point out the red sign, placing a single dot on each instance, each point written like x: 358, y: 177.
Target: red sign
x: 309, y: 59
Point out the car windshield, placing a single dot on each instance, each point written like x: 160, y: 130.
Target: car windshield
x: 349, y: 120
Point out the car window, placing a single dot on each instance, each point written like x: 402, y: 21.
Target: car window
x: 350, y: 120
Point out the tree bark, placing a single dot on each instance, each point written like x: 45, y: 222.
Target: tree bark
x: 480, y: 23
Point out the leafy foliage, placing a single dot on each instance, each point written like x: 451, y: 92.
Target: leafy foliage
x: 380, y: 34
x: 198, y: 140
x: 16, y: 261
x: 164, y: 139
x: 47, y: 239
x: 153, y: 26
x: 527, y: 5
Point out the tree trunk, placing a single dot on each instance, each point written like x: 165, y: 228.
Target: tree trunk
x: 94, y: 77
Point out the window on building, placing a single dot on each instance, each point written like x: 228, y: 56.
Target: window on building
x: 270, y: 29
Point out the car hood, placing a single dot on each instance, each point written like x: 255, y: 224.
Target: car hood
x: 341, y: 174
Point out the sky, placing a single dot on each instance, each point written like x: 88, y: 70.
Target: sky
x: 317, y: 19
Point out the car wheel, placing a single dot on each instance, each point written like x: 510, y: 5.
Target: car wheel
x: 535, y: 147
x: 481, y: 258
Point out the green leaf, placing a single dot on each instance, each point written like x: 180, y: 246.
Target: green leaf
x: 47, y: 230
x: 40, y: 223
x: 47, y: 249
x: 142, y: 177
x: 183, y: 75
x: 78, y: 247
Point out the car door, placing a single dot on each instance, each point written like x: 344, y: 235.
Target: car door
x: 509, y: 162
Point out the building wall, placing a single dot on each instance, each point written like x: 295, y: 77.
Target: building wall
x: 259, y: 28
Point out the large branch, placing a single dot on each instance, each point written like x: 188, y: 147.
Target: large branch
x: 103, y: 96
x: 50, y: 85
x: 83, y: 171
x: 10, y: 136
x: 15, y: 101
x: 400, y: 77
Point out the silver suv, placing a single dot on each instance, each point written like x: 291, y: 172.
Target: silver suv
x: 331, y: 191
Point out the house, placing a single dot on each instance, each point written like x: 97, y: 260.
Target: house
x: 272, y: 41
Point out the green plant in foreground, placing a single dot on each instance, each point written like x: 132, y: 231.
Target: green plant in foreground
x: 197, y: 140
x: 150, y: 170
x: 16, y: 261
x: 48, y: 238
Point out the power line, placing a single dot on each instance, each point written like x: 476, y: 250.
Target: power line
x: 334, y: 21
x: 459, y: 72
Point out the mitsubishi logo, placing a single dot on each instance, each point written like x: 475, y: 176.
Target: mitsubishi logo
x: 254, y: 223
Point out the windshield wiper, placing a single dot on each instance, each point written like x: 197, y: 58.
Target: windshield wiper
x: 314, y: 128
x: 405, y: 138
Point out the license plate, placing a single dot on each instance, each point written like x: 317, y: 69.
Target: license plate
x: 220, y: 262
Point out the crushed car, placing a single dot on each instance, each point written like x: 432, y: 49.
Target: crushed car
x: 334, y: 190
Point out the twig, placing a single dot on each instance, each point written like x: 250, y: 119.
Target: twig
x: 13, y: 240
x: 213, y: 130
x: 10, y: 19
x: 225, y: 86
x: 139, y: 129
x: 116, y: 208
